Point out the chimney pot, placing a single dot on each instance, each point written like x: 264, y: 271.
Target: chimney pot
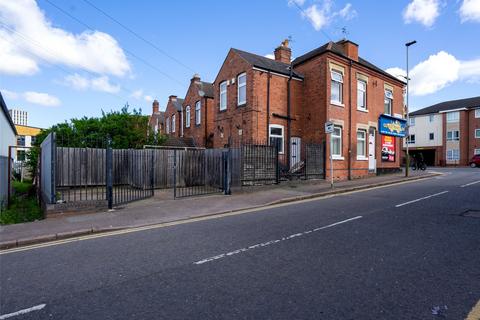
x: 155, y: 106
x: 283, y: 53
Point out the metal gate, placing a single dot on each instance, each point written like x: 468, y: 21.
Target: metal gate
x: 201, y: 171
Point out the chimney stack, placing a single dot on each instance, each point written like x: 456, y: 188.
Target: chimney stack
x: 195, y: 78
x: 283, y: 53
x: 172, y: 98
x: 155, y: 106
x: 350, y: 49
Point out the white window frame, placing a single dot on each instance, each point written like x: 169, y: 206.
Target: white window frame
x: 335, y: 137
x: 453, y: 136
x: 388, y: 97
x: 477, y: 133
x: 173, y: 123
x: 431, y: 118
x: 198, y: 113
x: 364, y: 90
x: 187, y: 117
x: 453, y: 154
x: 476, y: 152
x: 282, y: 136
x: 167, y: 129
x: 241, y: 86
x: 411, y: 121
x: 477, y: 113
x: 340, y: 84
x: 361, y: 156
x: 410, y: 140
x: 453, y: 116
x: 223, y: 92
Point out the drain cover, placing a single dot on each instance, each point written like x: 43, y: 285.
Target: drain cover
x: 471, y: 213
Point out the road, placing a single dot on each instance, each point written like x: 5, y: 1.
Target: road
x: 409, y: 251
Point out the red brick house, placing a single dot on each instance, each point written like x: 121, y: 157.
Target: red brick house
x: 198, y: 111
x: 174, y: 117
x: 157, y: 119
x: 341, y: 87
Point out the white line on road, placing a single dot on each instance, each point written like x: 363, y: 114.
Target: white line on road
x: 264, y: 244
x: 420, y: 199
x: 469, y: 184
x: 24, y: 311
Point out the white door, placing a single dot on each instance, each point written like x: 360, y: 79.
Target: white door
x: 372, y: 162
x: 295, y: 147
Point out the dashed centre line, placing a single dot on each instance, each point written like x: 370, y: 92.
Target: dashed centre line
x: 420, y: 199
x: 469, y: 184
x: 268, y: 243
x: 23, y: 311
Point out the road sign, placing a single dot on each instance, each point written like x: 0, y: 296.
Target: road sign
x: 328, y: 127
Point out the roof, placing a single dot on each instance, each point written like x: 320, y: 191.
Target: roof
x: 207, y: 87
x: 178, y: 104
x: 468, y: 103
x: 7, y: 114
x: 267, y: 63
x: 158, y: 115
x: 184, y: 142
x: 27, y: 130
x: 337, y: 48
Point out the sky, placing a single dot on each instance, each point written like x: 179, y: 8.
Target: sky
x: 63, y: 59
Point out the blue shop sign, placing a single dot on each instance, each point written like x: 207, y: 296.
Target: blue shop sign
x: 391, y: 126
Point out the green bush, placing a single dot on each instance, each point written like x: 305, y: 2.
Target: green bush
x: 23, y: 205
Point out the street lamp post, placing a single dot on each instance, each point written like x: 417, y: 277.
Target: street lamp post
x: 407, y: 45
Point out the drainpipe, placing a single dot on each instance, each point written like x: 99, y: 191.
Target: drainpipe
x: 350, y: 120
x: 289, y: 118
x: 268, y: 105
x: 206, y: 120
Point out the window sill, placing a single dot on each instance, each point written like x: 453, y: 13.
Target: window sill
x: 338, y: 158
x: 362, y: 110
x: 361, y: 158
x: 338, y: 104
x: 222, y: 110
x: 243, y: 104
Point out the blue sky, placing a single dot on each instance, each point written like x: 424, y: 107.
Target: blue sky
x: 56, y: 68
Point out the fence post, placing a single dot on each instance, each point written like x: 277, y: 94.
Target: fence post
x: 109, y: 178
x: 53, y: 195
x: 277, y: 164
x: 227, y: 172
x: 175, y: 173
x: 152, y: 172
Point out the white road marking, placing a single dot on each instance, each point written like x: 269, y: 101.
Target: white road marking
x: 420, y: 199
x: 469, y: 184
x: 24, y: 311
x: 264, y: 244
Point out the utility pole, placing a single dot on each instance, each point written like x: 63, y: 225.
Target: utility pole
x: 407, y: 45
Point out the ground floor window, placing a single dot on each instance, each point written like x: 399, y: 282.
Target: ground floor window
x: 476, y: 151
x: 411, y: 139
x: 477, y: 133
x: 361, y: 144
x: 276, y: 136
x: 337, y: 141
x: 453, y: 154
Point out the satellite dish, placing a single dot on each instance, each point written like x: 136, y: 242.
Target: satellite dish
x: 201, y: 93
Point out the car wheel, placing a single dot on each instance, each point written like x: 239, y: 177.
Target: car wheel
x: 473, y: 165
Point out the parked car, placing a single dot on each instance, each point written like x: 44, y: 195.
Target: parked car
x: 475, y: 161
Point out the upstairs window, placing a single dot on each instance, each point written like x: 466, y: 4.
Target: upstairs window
x: 453, y: 116
x: 336, y: 94
x: 477, y: 113
x: 412, y: 121
x: 223, y: 95
x: 187, y: 117
x: 276, y: 136
x: 21, y: 141
x: 198, y: 113
x: 411, y: 139
x: 361, y: 95
x: 167, y: 128
x: 453, y: 135
x: 173, y: 123
x: 431, y: 117
x: 431, y: 136
x: 477, y: 133
x: 242, y: 89
x: 388, y: 102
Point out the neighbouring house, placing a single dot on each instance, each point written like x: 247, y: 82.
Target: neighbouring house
x: 26, y: 136
x: 8, y: 135
x: 174, y: 117
x: 446, y: 133
x: 157, y: 119
x: 198, y: 112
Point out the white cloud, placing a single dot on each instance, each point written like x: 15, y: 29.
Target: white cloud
x: 101, y: 83
x: 321, y: 16
x: 298, y: 2
x: 9, y: 94
x: 270, y: 56
x: 439, y: 71
x: 148, y: 98
x: 422, y: 11
x: 398, y: 73
x: 137, y: 94
x: 43, y: 99
x: 30, y: 38
x: 470, y: 11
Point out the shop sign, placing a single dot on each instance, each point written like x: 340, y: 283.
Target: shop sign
x: 388, y: 148
x: 391, y: 126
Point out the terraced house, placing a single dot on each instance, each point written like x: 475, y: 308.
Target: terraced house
x: 286, y: 103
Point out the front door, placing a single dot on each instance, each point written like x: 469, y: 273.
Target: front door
x: 295, y: 147
x: 372, y: 162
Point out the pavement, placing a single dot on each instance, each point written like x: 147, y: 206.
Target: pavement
x: 162, y: 208
x: 404, y: 251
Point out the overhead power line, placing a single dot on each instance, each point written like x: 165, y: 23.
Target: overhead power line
x: 151, y: 44
x: 126, y: 50
x: 306, y: 15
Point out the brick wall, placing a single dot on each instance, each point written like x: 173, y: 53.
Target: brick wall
x: 169, y: 111
x: 474, y: 143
